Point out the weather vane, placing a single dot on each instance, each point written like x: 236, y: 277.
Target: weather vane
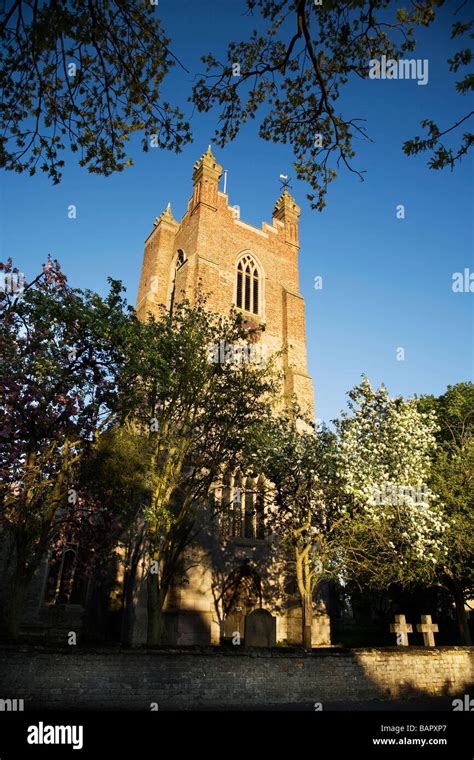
x: 285, y: 182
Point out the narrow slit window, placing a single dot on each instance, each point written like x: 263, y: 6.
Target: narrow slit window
x: 247, y: 289
x: 239, y: 287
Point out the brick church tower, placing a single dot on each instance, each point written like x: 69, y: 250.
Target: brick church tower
x: 255, y: 271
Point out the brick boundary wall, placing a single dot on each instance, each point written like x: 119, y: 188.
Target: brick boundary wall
x: 204, y: 677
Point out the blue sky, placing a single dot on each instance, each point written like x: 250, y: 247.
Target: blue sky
x: 386, y: 282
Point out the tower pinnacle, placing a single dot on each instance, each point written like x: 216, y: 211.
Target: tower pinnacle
x: 286, y: 210
x: 165, y: 216
x: 206, y: 176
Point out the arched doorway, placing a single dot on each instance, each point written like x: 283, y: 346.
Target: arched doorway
x: 242, y: 594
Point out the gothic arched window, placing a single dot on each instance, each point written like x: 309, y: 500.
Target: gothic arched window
x: 226, y: 506
x: 180, y: 260
x: 237, y: 505
x: 67, y: 581
x: 249, y: 526
x: 248, y: 293
x: 260, y: 508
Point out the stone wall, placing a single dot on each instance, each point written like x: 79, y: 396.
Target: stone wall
x: 133, y: 679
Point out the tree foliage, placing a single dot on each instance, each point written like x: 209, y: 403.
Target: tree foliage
x: 196, y: 416
x: 452, y: 478
x: 60, y: 354
x: 396, y: 526
x: 297, y: 68
x: 442, y: 154
x: 85, y: 74
x: 300, y: 465
x: 88, y: 74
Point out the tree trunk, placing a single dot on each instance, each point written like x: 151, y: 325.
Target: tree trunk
x: 155, y: 601
x: 307, y: 609
x: 463, y: 622
x: 128, y: 602
x: 128, y: 609
x: 303, y: 578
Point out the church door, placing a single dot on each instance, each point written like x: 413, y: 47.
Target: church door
x: 242, y: 595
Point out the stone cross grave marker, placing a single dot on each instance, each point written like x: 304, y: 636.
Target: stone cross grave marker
x: 428, y: 629
x: 402, y: 629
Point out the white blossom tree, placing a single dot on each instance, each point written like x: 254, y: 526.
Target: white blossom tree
x: 395, y: 527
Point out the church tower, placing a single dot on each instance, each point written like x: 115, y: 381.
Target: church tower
x: 254, y: 270
x: 236, y: 265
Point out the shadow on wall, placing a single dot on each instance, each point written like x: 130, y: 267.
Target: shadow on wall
x: 238, y: 678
